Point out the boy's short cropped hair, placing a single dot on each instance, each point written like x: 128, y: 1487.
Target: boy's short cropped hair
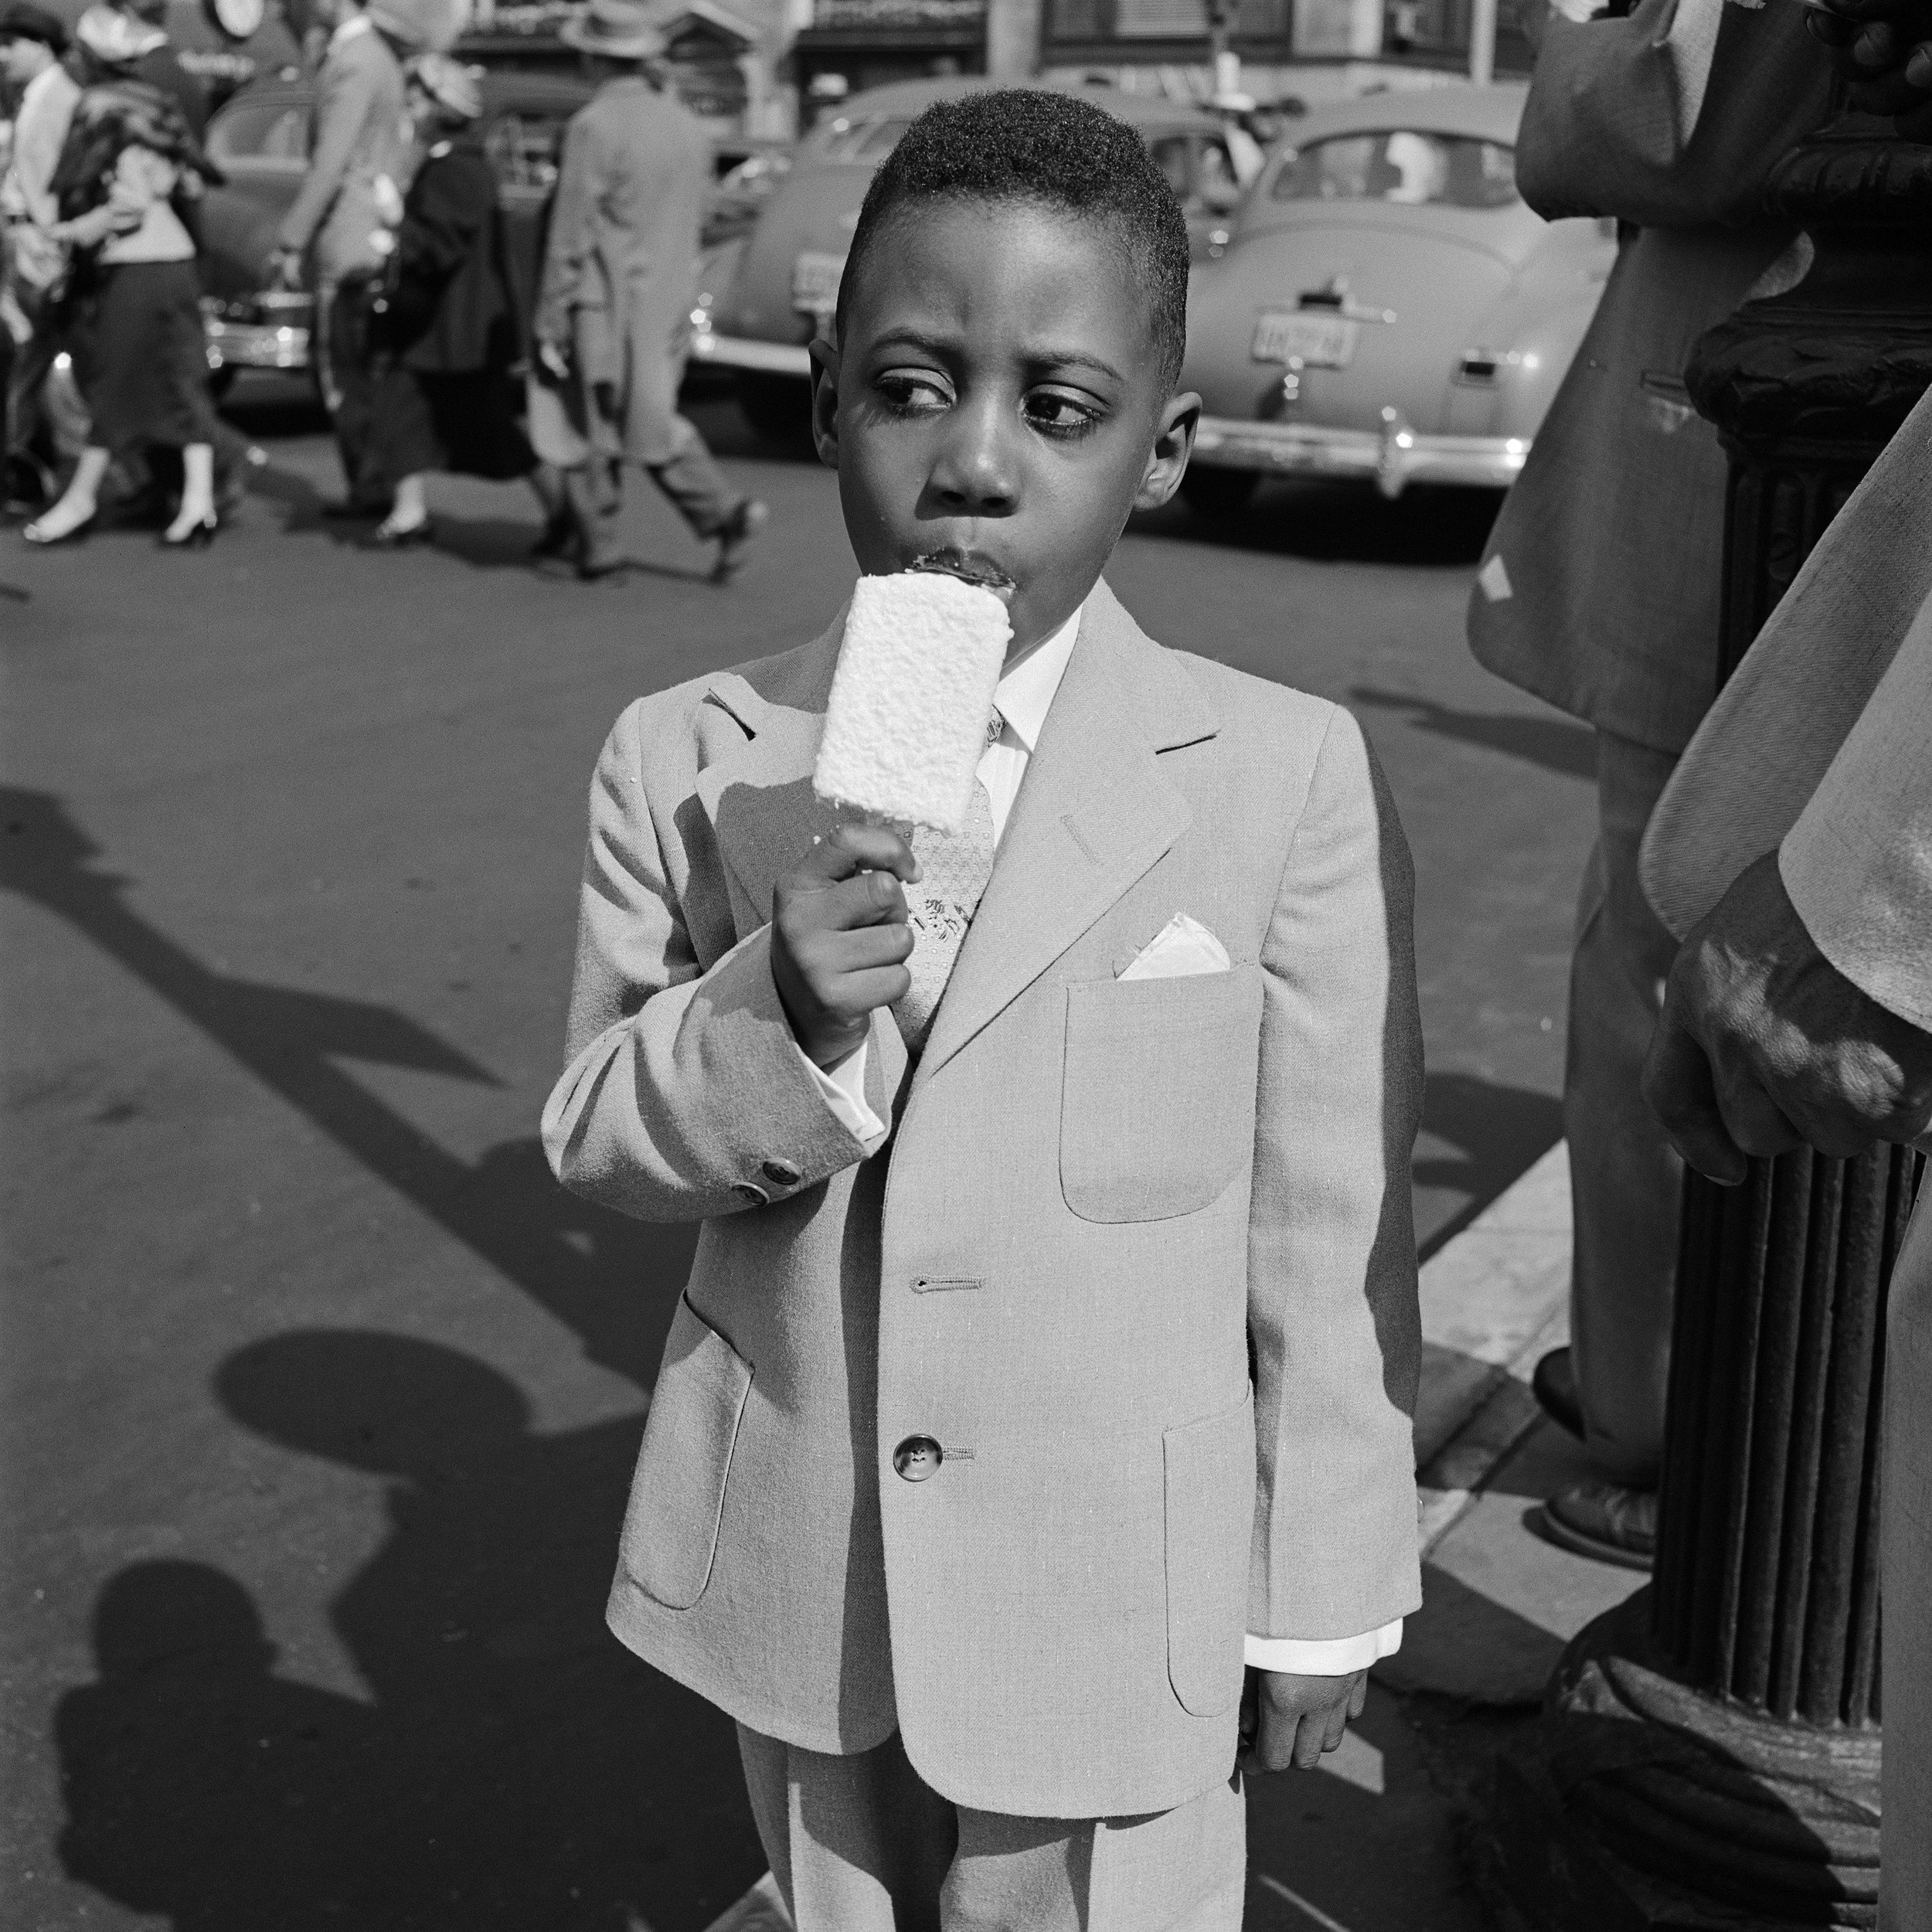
x: 1056, y: 151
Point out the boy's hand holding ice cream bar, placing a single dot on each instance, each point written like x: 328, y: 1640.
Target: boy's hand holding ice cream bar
x: 905, y: 727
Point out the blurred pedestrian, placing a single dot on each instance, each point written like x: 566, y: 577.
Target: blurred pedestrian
x: 357, y: 153
x: 1793, y: 849
x: 1599, y: 592
x: 31, y: 42
x: 133, y: 299
x: 620, y: 275
x: 161, y: 66
x: 446, y: 335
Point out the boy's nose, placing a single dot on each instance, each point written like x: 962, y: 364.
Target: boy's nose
x: 975, y: 473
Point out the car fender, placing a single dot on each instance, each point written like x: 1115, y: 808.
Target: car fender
x: 1533, y: 333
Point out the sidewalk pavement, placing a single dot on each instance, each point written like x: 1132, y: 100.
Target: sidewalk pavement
x: 1377, y: 1840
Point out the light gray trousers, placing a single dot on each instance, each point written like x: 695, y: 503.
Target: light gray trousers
x: 864, y: 1844
x: 1625, y: 1181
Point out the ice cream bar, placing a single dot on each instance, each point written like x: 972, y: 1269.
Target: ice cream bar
x: 905, y: 724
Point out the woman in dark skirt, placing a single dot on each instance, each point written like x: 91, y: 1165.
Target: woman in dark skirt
x: 134, y: 303
x: 445, y: 330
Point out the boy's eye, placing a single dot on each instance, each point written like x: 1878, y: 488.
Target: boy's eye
x: 1058, y: 414
x: 913, y: 392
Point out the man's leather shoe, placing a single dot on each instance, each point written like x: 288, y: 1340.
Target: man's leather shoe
x: 1604, y: 1520
x: 1553, y: 1383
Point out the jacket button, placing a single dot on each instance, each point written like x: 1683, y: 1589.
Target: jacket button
x: 750, y: 1191
x: 781, y: 1173
x: 918, y: 1457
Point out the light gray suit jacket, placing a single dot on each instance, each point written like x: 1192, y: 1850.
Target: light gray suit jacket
x: 1138, y: 1255
x: 359, y: 135
x: 1611, y: 540
x: 1821, y: 748
x: 620, y: 263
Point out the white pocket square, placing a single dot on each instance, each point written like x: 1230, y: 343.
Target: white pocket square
x: 1181, y: 947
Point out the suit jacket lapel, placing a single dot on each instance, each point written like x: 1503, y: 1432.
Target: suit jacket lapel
x: 1093, y: 815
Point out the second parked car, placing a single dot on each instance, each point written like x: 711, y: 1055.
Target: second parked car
x: 1387, y: 306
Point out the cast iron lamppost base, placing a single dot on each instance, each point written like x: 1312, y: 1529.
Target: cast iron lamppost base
x: 1709, y: 1755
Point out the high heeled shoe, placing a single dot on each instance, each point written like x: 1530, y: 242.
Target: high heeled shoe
x: 34, y: 533
x: 197, y: 537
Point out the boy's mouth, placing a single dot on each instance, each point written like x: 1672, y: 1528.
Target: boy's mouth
x: 970, y: 567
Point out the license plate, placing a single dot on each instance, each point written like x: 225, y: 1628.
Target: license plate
x: 1317, y: 342
x: 815, y: 276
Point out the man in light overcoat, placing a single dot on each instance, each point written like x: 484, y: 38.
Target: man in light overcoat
x: 1794, y: 847
x: 359, y: 141
x: 620, y: 275
x: 1599, y: 592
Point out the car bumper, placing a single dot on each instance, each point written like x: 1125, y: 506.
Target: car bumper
x: 233, y: 344
x: 744, y: 351
x: 1391, y: 458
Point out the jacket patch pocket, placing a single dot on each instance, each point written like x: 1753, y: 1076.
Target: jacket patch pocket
x: 677, y: 1496
x: 1157, y: 1099
x: 1209, y: 1468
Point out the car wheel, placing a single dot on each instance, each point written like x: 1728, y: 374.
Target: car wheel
x: 777, y: 407
x: 1217, y: 493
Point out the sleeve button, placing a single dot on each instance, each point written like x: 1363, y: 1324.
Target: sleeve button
x: 751, y: 1191
x: 781, y: 1174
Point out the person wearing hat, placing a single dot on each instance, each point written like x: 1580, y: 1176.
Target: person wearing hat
x: 620, y: 275
x: 32, y: 42
x: 445, y: 334
x: 359, y: 140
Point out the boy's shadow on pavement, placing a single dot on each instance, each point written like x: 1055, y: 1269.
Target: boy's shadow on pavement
x: 517, y: 1767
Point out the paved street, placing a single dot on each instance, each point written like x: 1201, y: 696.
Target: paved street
x: 320, y: 1398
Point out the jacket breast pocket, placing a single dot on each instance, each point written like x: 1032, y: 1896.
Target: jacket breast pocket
x: 1157, y: 1095
x: 1209, y: 1470
x: 677, y: 1496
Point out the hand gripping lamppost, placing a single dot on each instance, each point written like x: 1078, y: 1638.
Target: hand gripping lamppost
x: 1709, y: 1754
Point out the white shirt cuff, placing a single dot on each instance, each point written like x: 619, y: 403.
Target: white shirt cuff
x: 842, y: 1088
x: 1323, y: 1656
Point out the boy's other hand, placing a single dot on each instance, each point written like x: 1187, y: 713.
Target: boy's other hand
x: 1287, y: 1719
x: 840, y: 939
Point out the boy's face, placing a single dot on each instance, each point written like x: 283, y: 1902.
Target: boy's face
x: 997, y: 399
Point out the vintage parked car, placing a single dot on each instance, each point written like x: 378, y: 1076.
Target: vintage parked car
x: 1386, y: 306
x: 260, y: 140
x: 763, y: 297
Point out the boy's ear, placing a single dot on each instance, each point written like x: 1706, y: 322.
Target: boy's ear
x: 1173, y: 444
x: 824, y: 400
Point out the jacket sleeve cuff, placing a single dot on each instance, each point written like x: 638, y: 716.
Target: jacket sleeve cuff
x: 1323, y: 1656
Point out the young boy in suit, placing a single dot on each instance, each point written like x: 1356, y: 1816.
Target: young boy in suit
x: 1052, y: 1340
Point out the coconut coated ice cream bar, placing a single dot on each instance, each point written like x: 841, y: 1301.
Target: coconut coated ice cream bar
x: 913, y: 691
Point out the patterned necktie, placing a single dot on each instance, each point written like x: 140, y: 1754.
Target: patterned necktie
x: 954, y: 869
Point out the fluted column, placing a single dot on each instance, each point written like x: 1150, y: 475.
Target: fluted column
x: 1713, y: 1746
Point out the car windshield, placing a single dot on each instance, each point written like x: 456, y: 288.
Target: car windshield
x: 1402, y: 165
x: 867, y: 141
x: 261, y: 130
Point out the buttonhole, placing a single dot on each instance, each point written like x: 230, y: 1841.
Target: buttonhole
x: 942, y: 1284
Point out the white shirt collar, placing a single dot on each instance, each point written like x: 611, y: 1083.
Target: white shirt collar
x: 356, y: 23
x: 1025, y: 694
